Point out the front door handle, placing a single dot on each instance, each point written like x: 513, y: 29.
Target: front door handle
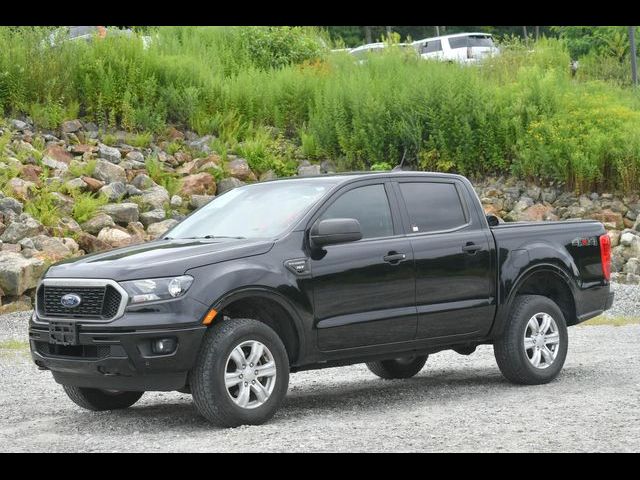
x: 471, y: 248
x: 394, y: 257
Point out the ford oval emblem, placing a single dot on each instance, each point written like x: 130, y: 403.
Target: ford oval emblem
x: 70, y: 300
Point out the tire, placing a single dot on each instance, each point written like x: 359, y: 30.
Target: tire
x: 405, y: 367
x: 98, y: 400
x: 221, y: 405
x: 516, y: 362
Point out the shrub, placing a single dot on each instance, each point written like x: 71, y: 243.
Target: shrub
x: 82, y: 169
x: 86, y: 205
x: 381, y: 166
x: 139, y: 140
x: 262, y: 154
x: 155, y: 170
x: 43, y: 206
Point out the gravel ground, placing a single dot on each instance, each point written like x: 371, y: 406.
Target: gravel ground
x: 626, y: 302
x: 456, y: 403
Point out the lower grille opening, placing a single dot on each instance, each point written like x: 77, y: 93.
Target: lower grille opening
x: 73, y: 351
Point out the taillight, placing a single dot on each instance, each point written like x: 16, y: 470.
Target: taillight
x: 605, y: 255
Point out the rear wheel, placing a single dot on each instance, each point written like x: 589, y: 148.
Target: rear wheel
x: 97, y: 400
x: 403, y: 367
x: 533, y: 347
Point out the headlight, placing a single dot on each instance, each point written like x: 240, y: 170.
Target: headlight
x: 154, y: 289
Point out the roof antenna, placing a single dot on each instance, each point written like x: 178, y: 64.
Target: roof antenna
x: 399, y: 167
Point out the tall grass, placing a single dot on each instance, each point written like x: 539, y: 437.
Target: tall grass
x: 521, y: 112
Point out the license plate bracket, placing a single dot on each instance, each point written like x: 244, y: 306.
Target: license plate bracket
x: 63, y: 333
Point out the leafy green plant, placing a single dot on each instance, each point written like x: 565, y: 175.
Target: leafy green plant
x: 44, y: 207
x: 158, y: 174
x: 381, y: 166
x: 110, y: 139
x: 86, y: 205
x: 5, y: 139
x: 174, y: 147
x: 52, y: 113
x: 139, y: 140
x: 7, y: 172
x: 310, y: 148
x: 82, y: 169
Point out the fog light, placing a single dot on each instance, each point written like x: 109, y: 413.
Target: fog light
x: 163, y: 346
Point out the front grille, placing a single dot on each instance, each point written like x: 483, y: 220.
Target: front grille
x: 99, y: 303
x: 111, y: 304
x: 73, y: 351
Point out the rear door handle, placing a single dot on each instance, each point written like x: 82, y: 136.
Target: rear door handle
x: 394, y: 257
x: 471, y: 248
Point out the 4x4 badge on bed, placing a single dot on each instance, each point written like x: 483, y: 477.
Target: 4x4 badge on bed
x: 585, y: 242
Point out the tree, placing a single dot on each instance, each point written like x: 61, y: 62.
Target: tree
x: 634, y: 58
x: 367, y: 34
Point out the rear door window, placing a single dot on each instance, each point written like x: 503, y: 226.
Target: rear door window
x: 432, y: 206
x: 432, y: 46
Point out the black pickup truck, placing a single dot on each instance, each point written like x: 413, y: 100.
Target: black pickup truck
x: 312, y: 272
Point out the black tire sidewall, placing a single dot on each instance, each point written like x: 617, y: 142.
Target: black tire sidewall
x: 395, y: 369
x: 215, y: 385
x: 98, y: 400
x: 538, y: 304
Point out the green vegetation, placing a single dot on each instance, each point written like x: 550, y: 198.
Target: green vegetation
x: 158, y: 174
x: 44, y: 206
x: 273, y: 94
x: 86, y: 205
x: 82, y: 169
x: 14, y: 345
x: 53, y: 112
x: 139, y: 140
x: 262, y: 155
x: 7, y: 172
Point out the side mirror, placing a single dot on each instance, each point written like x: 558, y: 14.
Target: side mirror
x: 493, y: 220
x: 335, y: 230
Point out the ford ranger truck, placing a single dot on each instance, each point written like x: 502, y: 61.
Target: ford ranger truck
x: 312, y: 272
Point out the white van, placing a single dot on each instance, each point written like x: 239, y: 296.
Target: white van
x: 459, y: 47
x: 363, y: 51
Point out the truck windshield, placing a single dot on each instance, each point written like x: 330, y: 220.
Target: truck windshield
x: 262, y: 210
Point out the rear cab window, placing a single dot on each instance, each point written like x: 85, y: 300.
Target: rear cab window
x: 471, y: 41
x: 433, y: 206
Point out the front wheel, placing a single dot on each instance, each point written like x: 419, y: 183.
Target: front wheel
x: 98, y: 400
x: 241, y: 374
x: 533, y: 347
x: 404, y: 367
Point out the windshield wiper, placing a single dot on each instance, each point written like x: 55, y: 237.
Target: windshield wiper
x: 216, y: 236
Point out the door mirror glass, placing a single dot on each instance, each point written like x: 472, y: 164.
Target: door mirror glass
x: 492, y: 220
x: 335, y: 230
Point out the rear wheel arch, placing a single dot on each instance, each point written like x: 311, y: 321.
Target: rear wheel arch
x: 269, y: 307
x: 549, y: 281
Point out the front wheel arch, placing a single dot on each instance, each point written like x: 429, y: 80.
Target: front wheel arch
x: 269, y: 307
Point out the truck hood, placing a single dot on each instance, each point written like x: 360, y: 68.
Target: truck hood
x: 159, y: 258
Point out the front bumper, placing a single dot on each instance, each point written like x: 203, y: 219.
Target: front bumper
x: 117, y: 358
